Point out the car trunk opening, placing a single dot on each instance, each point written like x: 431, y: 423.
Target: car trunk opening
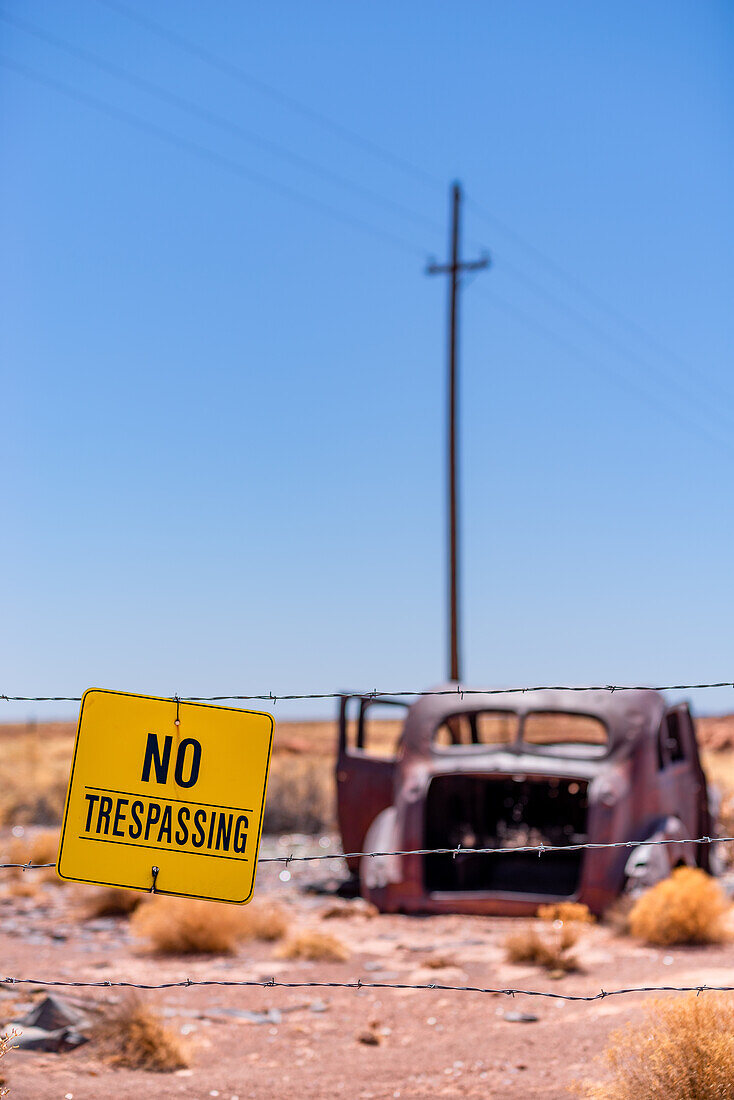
x: 509, y: 812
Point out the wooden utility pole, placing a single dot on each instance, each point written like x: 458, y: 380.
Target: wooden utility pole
x: 454, y: 269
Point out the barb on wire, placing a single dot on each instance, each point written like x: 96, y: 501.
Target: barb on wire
x: 360, y: 983
x: 540, y: 849
x: 271, y: 697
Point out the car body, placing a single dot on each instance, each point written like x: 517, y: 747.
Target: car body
x: 511, y: 770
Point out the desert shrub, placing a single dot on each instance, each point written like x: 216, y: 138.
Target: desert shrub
x: 617, y: 915
x: 183, y: 926
x: 314, y: 946
x: 263, y: 921
x: 551, y: 952
x: 566, y: 911
x: 684, y: 1050
x: 300, y: 795
x: 687, y: 907
x: 132, y: 1037
x: 40, y: 846
x: 111, y: 901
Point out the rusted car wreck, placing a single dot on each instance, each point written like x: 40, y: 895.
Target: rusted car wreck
x: 508, y: 771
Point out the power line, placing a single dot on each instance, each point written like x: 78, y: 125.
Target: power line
x: 373, y: 148
x: 195, y: 109
x: 231, y: 69
x: 204, y: 153
x: 688, y: 393
x: 578, y: 286
x: 684, y: 420
x: 228, y: 164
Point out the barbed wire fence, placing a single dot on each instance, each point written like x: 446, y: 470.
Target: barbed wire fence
x: 459, y: 849
x: 358, y: 984
x: 458, y: 690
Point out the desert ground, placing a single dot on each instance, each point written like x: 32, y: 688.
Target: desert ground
x: 310, y: 1042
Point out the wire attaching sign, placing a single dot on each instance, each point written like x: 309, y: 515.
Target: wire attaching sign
x: 166, y: 795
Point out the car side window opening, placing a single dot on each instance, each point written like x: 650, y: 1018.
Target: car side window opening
x: 374, y: 728
x: 671, y: 745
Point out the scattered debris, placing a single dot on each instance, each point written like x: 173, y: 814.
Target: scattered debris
x: 370, y: 1037
x: 52, y: 1026
x: 53, y: 1042
x: 52, y: 1013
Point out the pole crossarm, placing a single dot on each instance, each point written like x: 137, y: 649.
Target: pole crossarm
x: 434, y: 268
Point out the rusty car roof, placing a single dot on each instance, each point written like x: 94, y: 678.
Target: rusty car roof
x: 626, y: 714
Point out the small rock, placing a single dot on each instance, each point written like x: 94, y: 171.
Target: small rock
x: 369, y: 1038
x: 520, y: 1017
x: 53, y: 1013
x: 36, y: 1038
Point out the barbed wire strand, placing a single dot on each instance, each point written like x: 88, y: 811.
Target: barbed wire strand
x: 271, y: 697
x: 459, y: 850
x: 358, y: 983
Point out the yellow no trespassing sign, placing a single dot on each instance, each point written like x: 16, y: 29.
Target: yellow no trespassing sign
x: 177, y: 786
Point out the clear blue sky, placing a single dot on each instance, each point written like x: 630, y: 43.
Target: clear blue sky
x: 222, y: 433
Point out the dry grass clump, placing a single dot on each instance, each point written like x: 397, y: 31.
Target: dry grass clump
x: 22, y: 888
x: 551, y: 952
x: 687, y: 907
x: 6, y: 1044
x: 111, y: 901
x: 726, y: 827
x: 566, y: 911
x: 357, y: 907
x: 183, y: 926
x: 314, y: 946
x: 617, y: 915
x: 300, y: 795
x: 132, y: 1037
x: 438, y: 962
x: 684, y: 1050
x: 40, y: 846
x: 263, y: 922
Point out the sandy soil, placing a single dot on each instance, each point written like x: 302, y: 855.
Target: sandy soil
x: 430, y: 1043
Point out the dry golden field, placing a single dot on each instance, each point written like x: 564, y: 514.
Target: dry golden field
x: 34, y: 769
